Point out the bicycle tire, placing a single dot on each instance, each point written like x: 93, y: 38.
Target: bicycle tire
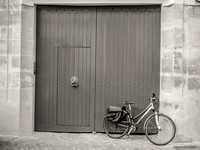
x: 163, y: 136
x: 115, y: 130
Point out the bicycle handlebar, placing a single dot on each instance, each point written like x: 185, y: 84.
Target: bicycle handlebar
x: 153, y: 97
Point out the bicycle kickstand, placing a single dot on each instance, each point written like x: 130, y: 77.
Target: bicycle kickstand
x: 131, y: 129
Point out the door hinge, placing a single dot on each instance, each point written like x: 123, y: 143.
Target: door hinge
x: 34, y: 68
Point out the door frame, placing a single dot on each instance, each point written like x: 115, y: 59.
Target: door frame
x: 94, y: 99
x: 97, y: 3
x: 32, y: 5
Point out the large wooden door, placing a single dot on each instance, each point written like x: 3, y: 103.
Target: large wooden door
x: 127, y: 56
x: 65, y: 48
x: 113, y: 51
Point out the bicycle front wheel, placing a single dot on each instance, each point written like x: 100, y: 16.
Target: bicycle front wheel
x: 161, y: 136
x: 115, y: 129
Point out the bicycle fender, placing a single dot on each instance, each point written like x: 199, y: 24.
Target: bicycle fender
x: 148, y: 119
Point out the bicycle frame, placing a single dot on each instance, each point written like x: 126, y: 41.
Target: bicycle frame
x: 142, y: 114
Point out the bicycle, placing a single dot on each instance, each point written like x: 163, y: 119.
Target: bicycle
x: 159, y: 128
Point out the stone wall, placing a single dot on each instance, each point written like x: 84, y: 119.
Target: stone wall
x: 180, y: 62
x: 10, y: 48
x: 27, y: 76
x: 179, y: 76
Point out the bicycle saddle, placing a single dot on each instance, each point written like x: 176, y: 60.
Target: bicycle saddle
x: 127, y: 102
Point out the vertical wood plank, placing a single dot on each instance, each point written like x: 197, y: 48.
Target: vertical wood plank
x: 84, y: 67
x: 44, y: 68
x: 145, y: 90
x: 150, y: 49
x: 80, y: 75
x: 38, y: 73
x: 71, y: 120
x: 98, y: 71
x: 129, y: 69
x: 67, y: 66
x: 51, y: 84
x: 158, y: 12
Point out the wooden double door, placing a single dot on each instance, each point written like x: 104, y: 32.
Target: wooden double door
x: 88, y: 58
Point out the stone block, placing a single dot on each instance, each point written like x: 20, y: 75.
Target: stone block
x: 9, y: 117
x: 3, y: 63
x: 14, y: 79
x: 26, y: 80
x: 15, y: 62
x: 3, y: 47
x: 16, y: 47
x: 10, y: 46
x: 178, y: 38
x: 27, y: 12
x: 16, y: 32
x: 3, y: 33
x: 178, y: 62
x: 27, y: 23
x: 194, y: 84
x: 194, y: 39
x: 27, y: 64
x: 167, y: 17
x: 15, y: 4
x: 3, y: 79
x: 178, y: 15
x: 14, y: 17
x: 193, y: 66
x: 10, y: 32
x: 14, y: 95
x: 26, y: 48
x: 27, y: 33
x: 3, y: 95
x: 178, y: 82
x: 26, y: 112
x: 166, y: 83
x: 194, y: 53
x: 194, y: 11
x: 167, y: 61
x: 193, y: 24
x: 168, y: 39
x: 184, y: 65
x: 3, y: 4
x: 4, y: 17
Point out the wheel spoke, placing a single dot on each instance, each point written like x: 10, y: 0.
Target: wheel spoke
x: 163, y: 136
x: 115, y: 130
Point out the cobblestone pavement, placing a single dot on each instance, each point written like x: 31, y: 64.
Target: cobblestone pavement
x: 86, y: 141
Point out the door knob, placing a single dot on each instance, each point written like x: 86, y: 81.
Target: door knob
x: 74, y: 81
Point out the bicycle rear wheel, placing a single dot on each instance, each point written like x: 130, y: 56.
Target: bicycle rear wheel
x: 161, y: 136
x: 115, y: 129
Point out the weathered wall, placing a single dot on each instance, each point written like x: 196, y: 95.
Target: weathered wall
x: 10, y: 39
x: 180, y: 68
x: 27, y: 75
x: 179, y: 77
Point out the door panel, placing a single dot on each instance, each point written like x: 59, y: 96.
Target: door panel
x: 114, y: 52
x: 65, y: 48
x: 128, y: 53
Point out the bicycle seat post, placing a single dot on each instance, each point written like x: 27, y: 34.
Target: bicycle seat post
x: 129, y: 108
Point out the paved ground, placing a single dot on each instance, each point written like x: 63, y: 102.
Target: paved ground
x: 71, y: 141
